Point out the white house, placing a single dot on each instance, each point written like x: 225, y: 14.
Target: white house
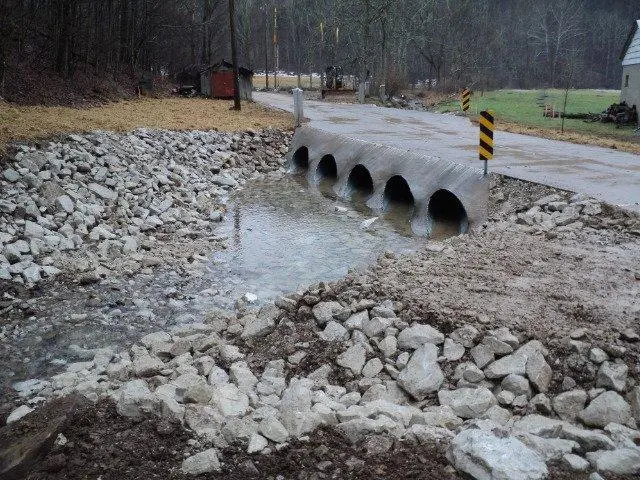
x: 631, y: 67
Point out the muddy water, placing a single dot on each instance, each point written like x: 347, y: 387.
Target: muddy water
x: 280, y: 234
x: 283, y: 234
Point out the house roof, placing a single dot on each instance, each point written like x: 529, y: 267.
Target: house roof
x: 631, y: 52
x: 223, y: 63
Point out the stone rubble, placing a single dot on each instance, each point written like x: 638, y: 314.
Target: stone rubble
x: 191, y: 375
x: 106, y: 200
x: 503, y: 405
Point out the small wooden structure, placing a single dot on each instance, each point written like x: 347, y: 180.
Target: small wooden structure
x: 216, y: 81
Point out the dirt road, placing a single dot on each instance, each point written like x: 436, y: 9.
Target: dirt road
x: 598, y: 172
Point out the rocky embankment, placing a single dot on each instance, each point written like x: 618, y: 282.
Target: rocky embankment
x: 104, y: 202
x: 499, y: 404
x: 512, y: 351
x: 484, y: 394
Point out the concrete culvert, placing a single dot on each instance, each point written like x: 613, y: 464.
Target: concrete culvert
x: 327, y: 168
x: 301, y: 158
x: 397, y: 191
x: 446, y: 209
x: 360, y: 180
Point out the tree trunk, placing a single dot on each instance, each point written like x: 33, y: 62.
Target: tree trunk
x: 234, y: 56
x: 266, y: 46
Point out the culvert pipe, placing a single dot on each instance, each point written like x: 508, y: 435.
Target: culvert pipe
x: 423, y: 174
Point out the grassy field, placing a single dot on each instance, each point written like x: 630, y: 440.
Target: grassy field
x: 521, y: 111
x: 21, y: 123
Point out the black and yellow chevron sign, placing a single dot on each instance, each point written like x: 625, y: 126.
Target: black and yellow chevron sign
x: 466, y: 99
x: 487, y: 125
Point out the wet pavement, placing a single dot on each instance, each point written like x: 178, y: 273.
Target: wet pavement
x: 280, y: 233
x: 602, y: 173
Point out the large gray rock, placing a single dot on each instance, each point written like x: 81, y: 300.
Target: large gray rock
x: 11, y: 175
x: 482, y: 355
x: 504, y: 366
x: 64, y: 204
x: 418, y: 335
x: 257, y: 443
x: 517, y: 385
x: 169, y: 406
x: 323, y: 312
x: 257, y: 326
x: 18, y: 413
x: 103, y: 192
x: 33, y: 230
x: 546, y: 427
x: 195, y: 388
x: 356, y: 429
x: 334, y: 332
x: 515, y: 363
x: 468, y: 402
x: 145, y: 365
x: 634, y: 400
x: 612, y: 375
x: 200, y: 463
x: 549, y: 448
x: 230, y: 400
x: 272, y: 429
x: 569, y: 404
x: 575, y: 462
x: 204, y: 420
x: 623, y: 461
x: 357, y: 320
x: 159, y: 343
x: 243, y: 377
x: 353, y: 358
x: 295, y: 408
x: 388, y: 346
x: 606, y: 408
x: 422, y: 375
x: 484, y: 456
x: 135, y: 400
x: 539, y: 372
x: 376, y: 326
x: 12, y: 253
x: 452, y: 351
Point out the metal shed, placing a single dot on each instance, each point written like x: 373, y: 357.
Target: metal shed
x: 216, y: 81
x: 630, y: 57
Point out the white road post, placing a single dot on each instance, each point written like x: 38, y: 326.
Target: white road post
x: 298, y: 107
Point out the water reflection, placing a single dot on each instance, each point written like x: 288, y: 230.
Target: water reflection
x: 285, y: 234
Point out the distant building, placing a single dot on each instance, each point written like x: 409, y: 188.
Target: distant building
x: 631, y: 67
x: 216, y: 81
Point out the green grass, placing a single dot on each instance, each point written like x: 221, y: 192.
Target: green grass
x: 525, y: 107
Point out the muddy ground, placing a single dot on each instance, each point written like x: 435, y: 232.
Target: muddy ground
x: 102, y: 444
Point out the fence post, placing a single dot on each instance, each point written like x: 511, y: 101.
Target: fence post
x: 298, y: 108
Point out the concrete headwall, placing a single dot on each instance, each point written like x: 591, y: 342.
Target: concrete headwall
x: 424, y: 175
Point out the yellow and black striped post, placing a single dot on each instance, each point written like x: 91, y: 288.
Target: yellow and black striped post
x: 487, y: 126
x: 466, y: 99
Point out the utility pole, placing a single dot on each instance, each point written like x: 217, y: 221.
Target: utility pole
x: 266, y: 45
x: 234, y: 56
x: 275, y: 47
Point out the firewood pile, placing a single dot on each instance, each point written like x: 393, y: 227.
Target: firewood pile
x: 618, y: 113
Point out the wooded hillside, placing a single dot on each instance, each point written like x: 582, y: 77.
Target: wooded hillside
x: 481, y: 43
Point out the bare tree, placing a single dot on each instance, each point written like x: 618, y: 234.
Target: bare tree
x: 234, y: 56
